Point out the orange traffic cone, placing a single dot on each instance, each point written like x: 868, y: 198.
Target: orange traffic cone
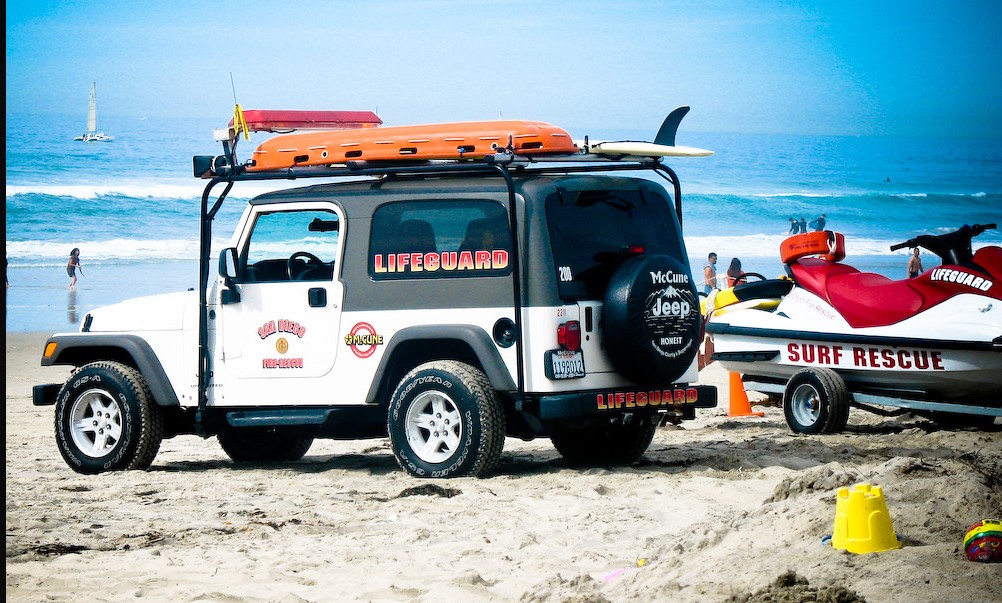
x: 740, y: 406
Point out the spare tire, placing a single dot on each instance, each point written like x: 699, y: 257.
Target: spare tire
x: 651, y: 319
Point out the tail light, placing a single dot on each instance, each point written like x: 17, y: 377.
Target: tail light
x: 569, y: 335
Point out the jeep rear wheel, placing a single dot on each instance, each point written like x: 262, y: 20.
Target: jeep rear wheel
x: 253, y: 445
x: 106, y: 419
x: 652, y: 319
x: 603, y: 445
x: 445, y: 420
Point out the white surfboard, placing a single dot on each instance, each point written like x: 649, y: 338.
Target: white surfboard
x: 639, y: 149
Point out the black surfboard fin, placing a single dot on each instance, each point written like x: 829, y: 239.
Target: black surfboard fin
x: 666, y: 135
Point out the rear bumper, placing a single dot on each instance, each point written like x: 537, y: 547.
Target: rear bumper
x: 679, y: 401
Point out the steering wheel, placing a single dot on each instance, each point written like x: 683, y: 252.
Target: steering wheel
x: 296, y: 259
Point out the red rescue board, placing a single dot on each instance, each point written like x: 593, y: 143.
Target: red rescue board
x: 265, y: 120
x: 463, y: 140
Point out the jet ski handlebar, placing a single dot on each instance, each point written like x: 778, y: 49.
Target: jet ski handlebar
x: 952, y: 247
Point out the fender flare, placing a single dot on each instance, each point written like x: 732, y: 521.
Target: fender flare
x: 472, y: 335
x: 78, y: 349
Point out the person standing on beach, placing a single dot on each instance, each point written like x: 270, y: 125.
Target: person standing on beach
x: 914, y: 264
x: 72, y: 266
x: 710, y: 273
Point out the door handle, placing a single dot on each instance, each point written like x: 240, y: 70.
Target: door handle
x: 317, y: 297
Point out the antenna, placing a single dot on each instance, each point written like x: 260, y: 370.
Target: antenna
x: 239, y: 123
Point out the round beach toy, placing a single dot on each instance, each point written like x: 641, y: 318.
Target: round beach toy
x: 983, y: 541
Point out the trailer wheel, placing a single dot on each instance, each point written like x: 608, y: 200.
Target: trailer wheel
x: 445, y: 420
x: 816, y: 400
x: 106, y: 419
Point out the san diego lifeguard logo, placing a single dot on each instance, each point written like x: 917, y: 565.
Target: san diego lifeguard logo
x: 363, y: 340
x: 282, y: 346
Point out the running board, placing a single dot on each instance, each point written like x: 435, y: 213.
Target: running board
x: 303, y: 417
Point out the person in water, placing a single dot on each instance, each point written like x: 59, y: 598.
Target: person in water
x: 802, y: 224
x: 72, y: 266
x: 735, y: 274
x: 914, y: 264
x: 819, y: 224
x: 794, y: 226
x: 710, y: 273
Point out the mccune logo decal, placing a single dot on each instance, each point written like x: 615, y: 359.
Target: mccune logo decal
x: 363, y: 340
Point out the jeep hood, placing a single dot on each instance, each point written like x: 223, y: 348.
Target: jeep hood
x: 166, y: 312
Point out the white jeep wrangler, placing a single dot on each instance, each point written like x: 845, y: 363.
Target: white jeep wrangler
x: 444, y: 304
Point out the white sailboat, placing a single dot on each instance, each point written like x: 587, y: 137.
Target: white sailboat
x: 93, y: 135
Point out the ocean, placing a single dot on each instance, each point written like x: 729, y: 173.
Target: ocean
x: 131, y: 205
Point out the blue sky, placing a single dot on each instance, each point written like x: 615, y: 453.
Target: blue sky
x: 913, y: 68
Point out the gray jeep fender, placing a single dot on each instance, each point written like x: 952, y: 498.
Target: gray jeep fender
x: 476, y: 338
x: 78, y: 349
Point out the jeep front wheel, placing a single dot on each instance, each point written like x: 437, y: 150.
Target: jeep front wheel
x: 445, y: 420
x: 106, y: 419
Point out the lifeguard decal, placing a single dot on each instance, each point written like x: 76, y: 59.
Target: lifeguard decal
x: 282, y: 325
x: 641, y: 398
x: 961, y: 277
x: 444, y: 263
x: 363, y: 340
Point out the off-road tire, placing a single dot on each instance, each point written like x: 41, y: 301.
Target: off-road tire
x: 106, y: 419
x: 816, y: 400
x: 268, y: 445
x: 652, y: 319
x: 444, y: 420
x: 603, y: 445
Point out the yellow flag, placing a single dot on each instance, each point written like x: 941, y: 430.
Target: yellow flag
x: 239, y: 123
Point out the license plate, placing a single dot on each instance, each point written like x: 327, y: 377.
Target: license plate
x: 564, y: 364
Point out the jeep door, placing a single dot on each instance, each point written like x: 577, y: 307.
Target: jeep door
x: 285, y: 323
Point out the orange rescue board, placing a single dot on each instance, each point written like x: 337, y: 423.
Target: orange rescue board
x: 463, y: 140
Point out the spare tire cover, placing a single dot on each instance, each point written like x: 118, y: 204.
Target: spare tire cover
x: 651, y: 319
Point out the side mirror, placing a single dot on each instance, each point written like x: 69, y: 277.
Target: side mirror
x: 229, y: 269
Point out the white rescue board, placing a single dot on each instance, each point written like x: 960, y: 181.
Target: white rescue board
x: 638, y: 148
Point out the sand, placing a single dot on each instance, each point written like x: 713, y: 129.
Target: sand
x: 719, y: 509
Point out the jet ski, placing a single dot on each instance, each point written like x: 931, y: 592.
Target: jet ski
x: 827, y: 337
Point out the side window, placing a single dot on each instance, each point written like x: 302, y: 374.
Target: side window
x: 292, y: 246
x: 440, y: 239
